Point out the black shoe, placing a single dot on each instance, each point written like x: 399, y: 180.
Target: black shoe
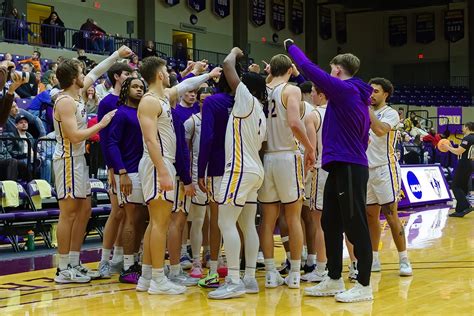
x: 308, y: 269
x: 462, y: 213
x: 285, y: 268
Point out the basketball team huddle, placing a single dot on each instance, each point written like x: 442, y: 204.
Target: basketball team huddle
x: 318, y: 159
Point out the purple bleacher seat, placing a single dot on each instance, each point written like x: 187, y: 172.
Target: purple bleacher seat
x: 7, y: 216
x: 97, y: 186
x: 101, y: 210
x: 30, y: 215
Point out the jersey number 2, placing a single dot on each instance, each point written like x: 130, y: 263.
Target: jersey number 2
x: 272, y: 110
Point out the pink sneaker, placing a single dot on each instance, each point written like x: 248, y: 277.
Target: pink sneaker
x: 196, y: 271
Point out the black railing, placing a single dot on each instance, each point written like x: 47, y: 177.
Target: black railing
x: 14, y: 163
x: 20, y: 31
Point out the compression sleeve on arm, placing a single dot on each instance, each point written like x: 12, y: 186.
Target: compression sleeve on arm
x: 191, y: 84
x: 103, y: 66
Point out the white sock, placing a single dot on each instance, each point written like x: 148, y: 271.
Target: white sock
x: 157, y: 274
x: 106, y: 254
x: 136, y: 257
x: 304, y: 253
x: 63, y: 262
x: 128, y: 261
x: 269, y: 264
x: 321, y: 266
x: 74, y: 258
x: 295, y: 265
x: 311, y: 260
x: 212, y: 266
x: 234, y: 275
x: 175, y: 269
x: 375, y: 255
x: 403, y: 255
x: 118, y: 254
x: 250, y: 272
x: 288, y: 255
x: 146, y: 271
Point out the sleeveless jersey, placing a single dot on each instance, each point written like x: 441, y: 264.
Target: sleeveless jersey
x: 308, y: 108
x: 319, y: 151
x: 192, y: 127
x: 64, y: 147
x: 165, y: 134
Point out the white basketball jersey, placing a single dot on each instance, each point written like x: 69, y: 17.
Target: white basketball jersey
x: 381, y: 150
x: 192, y: 126
x: 64, y: 147
x: 245, y: 134
x: 165, y: 134
x: 319, y: 150
x: 279, y: 134
x: 308, y: 108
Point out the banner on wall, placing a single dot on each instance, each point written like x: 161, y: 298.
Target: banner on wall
x: 197, y: 5
x: 221, y: 8
x: 325, y: 26
x: 341, y: 27
x: 454, y: 25
x: 278, y: 14
x: 171, y: 2
x: 425, y: 28
x: 454, y: 119
x: 397, y: 30
x: 297, y: 17
x: 423, y: 185
x: 257, y: 12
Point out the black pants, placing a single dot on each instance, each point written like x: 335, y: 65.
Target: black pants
x: 345, y: 196
x: 460, y: 185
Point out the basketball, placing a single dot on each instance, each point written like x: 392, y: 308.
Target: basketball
x: 443, y: 145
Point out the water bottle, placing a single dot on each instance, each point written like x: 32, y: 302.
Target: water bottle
x: 30, y: 242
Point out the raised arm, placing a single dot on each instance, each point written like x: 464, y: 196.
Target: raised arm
x: 229, y: 68
x: 66, y: 111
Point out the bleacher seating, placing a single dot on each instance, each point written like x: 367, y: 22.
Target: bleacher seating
x: 431, y: 95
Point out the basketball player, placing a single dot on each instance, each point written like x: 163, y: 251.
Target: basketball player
x: 383, y: 188
x: 199, y: 202
x: 345, y: 139
x: 70, y: 169
x: 125, y: 147
x: 316, y: 188
x: 243, y: 177
x: 283, y: 165
x: 117, y: 74
x: 156, y: 170
x: 215, y: 113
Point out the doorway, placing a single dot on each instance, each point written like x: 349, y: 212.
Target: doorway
x: 37, y: 13
x: 183, y: 45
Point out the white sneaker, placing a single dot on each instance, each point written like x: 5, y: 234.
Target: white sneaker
x: 260, y: 258
x: 273, y: 279
x: 293, y: 280
x: 353, y: 272
x: 358, y: 293
x: 405, y: 268
x: 327, y: 287
x: 182, y: 278
x: 104, y: 270
x: 251, y: 285
x: 70, y: 275
x: 376, y: 267
x: 143, y: 284
x: 228, y: 290
x: 93, y: 274
x: 314, y: 276
x: 166, y: 287
x: 116, y: 267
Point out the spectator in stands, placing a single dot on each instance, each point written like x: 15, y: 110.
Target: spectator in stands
x: 8, y: 57
x: 34, y: 60
x: 149, y: 49
x: 180, y: 53
x: 417, y: 130
x: 100, y: 40
x: 30, y: 88
x: 8, y: 165
x: 6, y: 101
x: 52, y: 82
x: 92, y: 101
x: 408, y: 122
x: 134, y: 62
x: 16, y: 28
x: 433, y: 138
x: 52, y: 66
x: 21, y: 150
x: 41, y: 86
x: 36, y: 126
x: 45, y: 147
x: 81, y: 55
x: 52, y: 30
x: 103, y: 88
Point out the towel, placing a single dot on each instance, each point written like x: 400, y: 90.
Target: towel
x: 44, y: 190
x: 11, y: 195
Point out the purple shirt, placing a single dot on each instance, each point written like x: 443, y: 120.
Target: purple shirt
x: 215, y: 113
x: 183, y: 160
x: 347, y: 121
x: 125, y: 140
x: 184, y: 112
x: 107, y: 104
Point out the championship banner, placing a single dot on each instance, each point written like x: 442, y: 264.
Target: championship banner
x: 454, y: 119
x: 454, y: 25
x: 397, y: 30
x: 296, y: 13
x: 325, y: 25
x: 257, y: 12
x: 341, y: 27
x: 197, y: 5
x: 425, y: 28
x: 221, y: 8
x: 278, y: 14
x: 171, y: 3
x: 423, y: 185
